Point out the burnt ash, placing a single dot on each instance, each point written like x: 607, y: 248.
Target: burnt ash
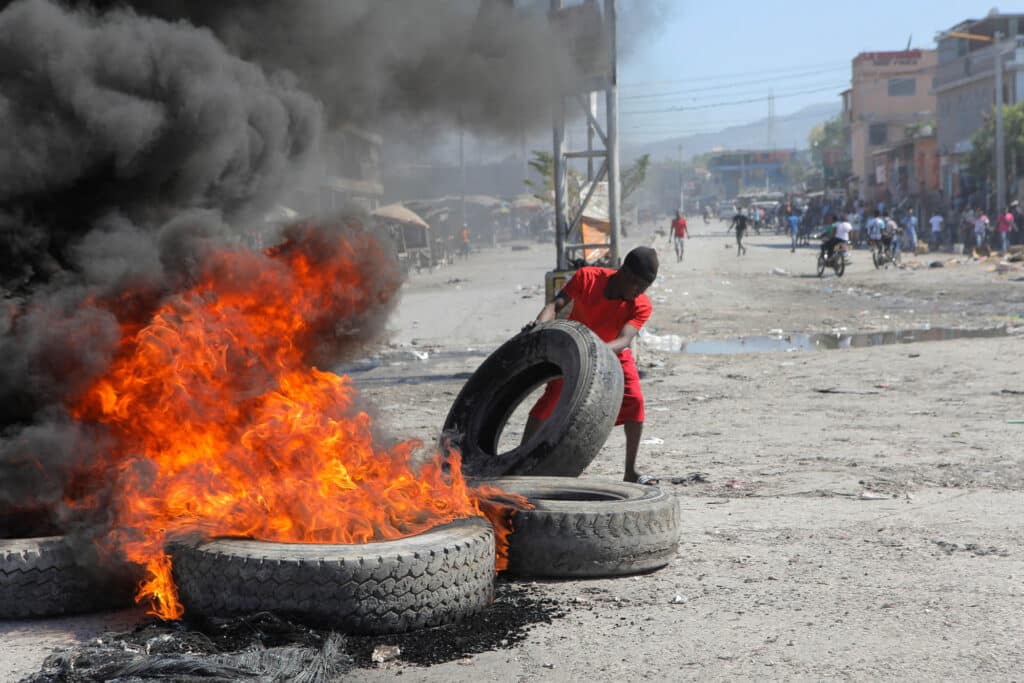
x: 266, y: 647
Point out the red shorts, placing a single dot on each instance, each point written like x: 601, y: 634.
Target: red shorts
x: 632, y: 409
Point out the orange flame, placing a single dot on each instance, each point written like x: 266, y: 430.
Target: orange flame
x: 222, y: 426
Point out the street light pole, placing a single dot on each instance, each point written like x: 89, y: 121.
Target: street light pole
x: 1000, y: 141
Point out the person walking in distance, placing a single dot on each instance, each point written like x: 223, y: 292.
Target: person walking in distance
x: 794, y: 230
x: 910, y: 231
x: 678, y: 234
x: 981, y: 226
x: 464, y: 247
x: 936, y: 223
x: 613, y: 305
x: 739, y: 222
x: 1006, y: 226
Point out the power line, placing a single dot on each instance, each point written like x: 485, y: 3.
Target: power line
x: 759, y: 94
x: 697, y: 79
x: 720, y: 125
x: 731, y: 103
x: 728, y: 86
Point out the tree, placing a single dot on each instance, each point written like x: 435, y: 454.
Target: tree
x: 634, y: 176
x: 830, y: 155
x: 981, y: 160
x: 544, y: 190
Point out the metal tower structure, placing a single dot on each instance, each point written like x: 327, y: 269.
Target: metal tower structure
x: 602, y: 143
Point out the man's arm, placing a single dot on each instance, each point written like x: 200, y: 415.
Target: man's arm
x: 550, y: 311
x: 625, y: 338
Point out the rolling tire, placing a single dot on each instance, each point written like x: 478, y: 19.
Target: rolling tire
x: 583, y: 528
x: 840, y: 266
x: 437, y: 577
x: 821, y: 266
x: 582, y: 419
x: 40, y: 577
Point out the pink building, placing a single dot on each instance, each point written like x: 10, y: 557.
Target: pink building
x: 889, y: 91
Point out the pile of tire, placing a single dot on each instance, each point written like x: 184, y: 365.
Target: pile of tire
x: 577, y: 528
x: 42, y: 575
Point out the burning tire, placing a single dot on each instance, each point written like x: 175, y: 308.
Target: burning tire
x: 582, y: 419
x: 438, y: 577
x: 40, y: 577
x: 589, y: 528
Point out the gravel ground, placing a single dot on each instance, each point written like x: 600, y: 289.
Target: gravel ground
x: 850, y: 513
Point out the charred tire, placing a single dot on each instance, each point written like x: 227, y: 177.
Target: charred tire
x: 589, y: 528
x: 582, y: 419
x: 438, y: 577
x: 39, y: 577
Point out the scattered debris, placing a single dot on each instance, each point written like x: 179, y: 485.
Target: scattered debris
x: 873, y: 495
x: 652, y: 441
x: 936, y: 264
x: 836, y: 390
x: 779, y: 271
x: 972, y: 548
x: 736, y: 484
x: 264, y: 646
x: 691, y: 478
x: 678, y: 600
x: 385, y: 653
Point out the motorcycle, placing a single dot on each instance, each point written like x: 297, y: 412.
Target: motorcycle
x: 838, y: 260
x: 884, y: 254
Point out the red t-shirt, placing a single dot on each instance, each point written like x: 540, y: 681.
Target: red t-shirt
x: 606, y: 317
x: 679, y: 225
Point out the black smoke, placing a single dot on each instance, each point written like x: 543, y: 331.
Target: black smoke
x: 129, y: 146
x: 486, y: 65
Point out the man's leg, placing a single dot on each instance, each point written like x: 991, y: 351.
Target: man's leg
x: 542, y: 409
x: 633, y: 432
x: 533, y: 425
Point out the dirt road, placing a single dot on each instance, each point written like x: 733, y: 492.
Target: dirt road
x: 862, y: 509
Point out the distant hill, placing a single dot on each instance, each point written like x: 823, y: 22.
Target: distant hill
x: 790, y: 132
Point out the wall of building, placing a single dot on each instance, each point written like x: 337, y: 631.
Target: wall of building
x: 889, y: 91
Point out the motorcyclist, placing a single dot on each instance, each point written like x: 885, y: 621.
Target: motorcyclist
x: 888, y: 235
x: 838, y: 232
x: 875, y: 226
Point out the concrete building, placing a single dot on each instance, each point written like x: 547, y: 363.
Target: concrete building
x: 908, y: 170
x: 964, y: 88
x: 889, y: 92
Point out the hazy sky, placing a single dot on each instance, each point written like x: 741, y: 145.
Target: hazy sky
x: 709, y: 53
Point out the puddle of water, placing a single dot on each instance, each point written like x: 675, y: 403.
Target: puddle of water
x: 831, y: 341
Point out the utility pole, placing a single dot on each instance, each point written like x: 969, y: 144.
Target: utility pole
x: 1000, y: 141
x: 680, y: 204
x: 611, y: 17
x: 462, y: 171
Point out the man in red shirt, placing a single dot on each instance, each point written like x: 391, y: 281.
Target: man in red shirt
x: 677, y: 234
x: 613, y: 305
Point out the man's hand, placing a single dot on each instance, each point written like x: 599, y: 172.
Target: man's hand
x: 529, y: 326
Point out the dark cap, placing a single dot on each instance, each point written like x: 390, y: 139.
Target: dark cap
x: 642, y: 262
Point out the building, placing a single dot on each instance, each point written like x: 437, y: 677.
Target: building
x: 964, y: 89
x: 908, y: 172
x: 740, y: 171
x: 889, y: 92
x: 349, y: 174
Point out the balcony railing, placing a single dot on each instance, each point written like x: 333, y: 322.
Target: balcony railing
x: 977, y: 62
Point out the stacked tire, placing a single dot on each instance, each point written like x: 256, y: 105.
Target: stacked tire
x: 42, y: 577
